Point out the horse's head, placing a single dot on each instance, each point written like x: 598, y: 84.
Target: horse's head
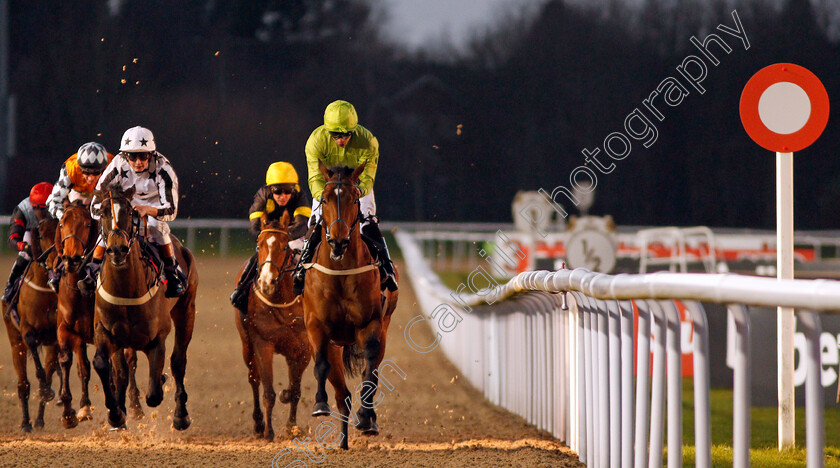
x: 340, y: 206
x: 76, y: 231
x: 117, y: 222
x: 274, y: 252
x: 46, y: 241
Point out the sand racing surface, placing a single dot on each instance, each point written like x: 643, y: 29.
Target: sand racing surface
x: 433, y: 418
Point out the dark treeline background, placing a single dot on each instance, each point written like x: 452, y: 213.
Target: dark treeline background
x: 230, y: 86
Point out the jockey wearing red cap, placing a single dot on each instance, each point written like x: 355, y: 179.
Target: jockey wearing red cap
x: 25, y: 217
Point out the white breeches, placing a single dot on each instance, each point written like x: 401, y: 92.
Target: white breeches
x: 367, y: 205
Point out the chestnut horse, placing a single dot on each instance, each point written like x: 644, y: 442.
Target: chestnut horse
x: 75, y: 239
x: 274, y: 324
x: 342, y: 303
x: 131, y: 311
x: 36, y: 308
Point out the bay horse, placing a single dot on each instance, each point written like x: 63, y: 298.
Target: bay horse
x: 36, y: 308
x: 346, y: 316
x: 132, y: 311
x: 75, y: 240
x: 274, y: 324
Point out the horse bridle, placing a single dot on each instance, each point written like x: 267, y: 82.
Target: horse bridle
x: 127, y: 235
x: 282, y: 268
x: 87, y: 252
x: 338, y: 202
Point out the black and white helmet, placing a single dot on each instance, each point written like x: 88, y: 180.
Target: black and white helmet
x: 92, y: 157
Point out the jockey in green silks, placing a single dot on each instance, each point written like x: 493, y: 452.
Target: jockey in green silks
x: 341, y: 141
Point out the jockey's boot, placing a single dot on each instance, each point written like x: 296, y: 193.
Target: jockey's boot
x: 239, y: 298
x: 54, y: 275
x: 375, y: 241
x: 309, y: 249
x: 18, y: 268
x: 88, y: 284
x: 174, y: 284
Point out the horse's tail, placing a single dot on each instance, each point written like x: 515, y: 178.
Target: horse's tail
x: 354, y: 360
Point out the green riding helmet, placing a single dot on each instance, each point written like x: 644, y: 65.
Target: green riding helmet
x: 340, y: 116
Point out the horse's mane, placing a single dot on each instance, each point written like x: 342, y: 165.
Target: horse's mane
x: 343, y: 172
x: 275, y: 224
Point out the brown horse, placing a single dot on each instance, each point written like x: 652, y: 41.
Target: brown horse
x: 274, y: 324
x: 37, y: 310
x: 75, y: 239
x: 131, y: 311
x: 342, y: 303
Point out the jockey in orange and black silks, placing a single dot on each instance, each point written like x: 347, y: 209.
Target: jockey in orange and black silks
x: 78, y: 177
x: 140, y: 166
x: 341, y: 141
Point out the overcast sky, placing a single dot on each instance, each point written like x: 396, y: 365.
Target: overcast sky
x: 424, y: 23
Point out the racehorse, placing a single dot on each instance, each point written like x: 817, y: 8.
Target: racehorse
x: 75, y: 239
x: 274, y: 324
x: 36, y: 308
x: 346, y: 316
x: 131, y: 311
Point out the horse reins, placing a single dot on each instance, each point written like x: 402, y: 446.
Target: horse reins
x: 281, y: 269
x: 330, y: 271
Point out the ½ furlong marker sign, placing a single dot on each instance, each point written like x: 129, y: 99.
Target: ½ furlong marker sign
x: 784, y: 108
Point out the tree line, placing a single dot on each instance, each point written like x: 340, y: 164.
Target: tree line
x: 229, y: 87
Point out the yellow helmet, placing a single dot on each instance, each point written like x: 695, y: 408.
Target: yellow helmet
x: 340, y: 116
x: 281, y: 172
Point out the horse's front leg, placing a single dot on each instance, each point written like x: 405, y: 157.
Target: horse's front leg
x: 320, y: 347
x: 83, y: 366
x: 133, y: 391
x: 156, y: 353
x: 102, y: 364
x: 51, y: 361
x: 264, y: 353
x: 342, y: 394
x: 296, y: 363
x: 374, y: 344
x: 31, y: 340
x: 65, y: 360
x: 19, y: 361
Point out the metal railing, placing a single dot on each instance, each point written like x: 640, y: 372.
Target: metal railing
x: 558, y: 349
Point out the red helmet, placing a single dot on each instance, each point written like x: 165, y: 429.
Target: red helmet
x: 39, y: 194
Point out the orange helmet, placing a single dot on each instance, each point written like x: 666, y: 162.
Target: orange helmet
x: 39, y: 194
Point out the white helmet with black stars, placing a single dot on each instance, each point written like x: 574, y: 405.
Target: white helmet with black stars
x: 92, y: 157
x: 137, y: 140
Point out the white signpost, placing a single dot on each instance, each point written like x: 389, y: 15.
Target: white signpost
x: 784, y: 108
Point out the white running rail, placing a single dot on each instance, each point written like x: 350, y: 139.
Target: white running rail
x: 557, y: 348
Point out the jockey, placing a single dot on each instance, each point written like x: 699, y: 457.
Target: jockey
x: 280, y: 194
x: 76, y: 181
x: 139, y: 165
x: 25, y: 217
x: 341, y: 141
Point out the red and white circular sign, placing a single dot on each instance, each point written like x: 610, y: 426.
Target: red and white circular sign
x: 784, y: 108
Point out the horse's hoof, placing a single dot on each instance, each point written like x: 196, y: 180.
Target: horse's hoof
x: 370, y: 430
x: 26, y: 427
x: 69, y: 421
x: 321, y: 409
x: 268, y: 436
x: 118, y: 428
x: 181, y: 424
x: 285, y: 397
x: 153, y: 400
x: 85, y: 413
x: 292, y: 431
x: 47, y: 394
x: 39, y: 423
x: 116, y: 420
x: 259, y: 428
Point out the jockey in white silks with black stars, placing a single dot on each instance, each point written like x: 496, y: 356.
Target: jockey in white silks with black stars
x: 139, y: 165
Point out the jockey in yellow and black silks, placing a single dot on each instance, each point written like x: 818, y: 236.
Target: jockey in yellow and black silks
x: 280, y: 194
x: 341, y: 141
